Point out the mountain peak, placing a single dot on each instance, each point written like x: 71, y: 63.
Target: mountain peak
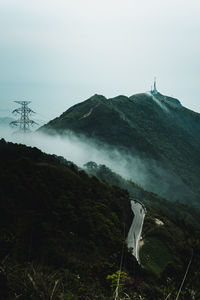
x: 97, y: 97
x: 166, y: 99
x: 156, y: 95
x: 158, y: 98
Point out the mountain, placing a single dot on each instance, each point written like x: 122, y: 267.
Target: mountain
x: 62, y: 233
x: 154, y: 129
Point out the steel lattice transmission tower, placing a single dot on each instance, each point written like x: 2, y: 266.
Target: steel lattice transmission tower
x: 23, y: 122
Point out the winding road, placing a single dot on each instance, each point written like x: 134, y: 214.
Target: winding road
x: 135, y: 230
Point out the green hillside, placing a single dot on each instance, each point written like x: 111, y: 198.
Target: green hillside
x: 154, y: 128
x: 62, y: 233
x: 176, y: 212
x: 55, y: 216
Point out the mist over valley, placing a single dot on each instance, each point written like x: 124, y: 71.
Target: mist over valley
x: 98, y: 159
x: 130, y: 154
x: 99, y: 150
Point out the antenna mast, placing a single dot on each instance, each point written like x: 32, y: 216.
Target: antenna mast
x: 154, y: 90
x: 23, y: 122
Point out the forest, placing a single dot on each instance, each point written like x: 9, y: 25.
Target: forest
x: 62, y: 232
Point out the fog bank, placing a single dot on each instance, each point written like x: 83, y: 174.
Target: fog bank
x: 146, y: 172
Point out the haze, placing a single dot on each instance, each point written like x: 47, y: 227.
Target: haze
x: 81, y: 150
x: 59, y: 53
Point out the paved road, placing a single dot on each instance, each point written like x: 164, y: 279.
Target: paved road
x: 136, y: 228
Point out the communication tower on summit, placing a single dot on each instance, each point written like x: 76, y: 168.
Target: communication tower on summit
x: 23, y: 123
x: 154, y: 90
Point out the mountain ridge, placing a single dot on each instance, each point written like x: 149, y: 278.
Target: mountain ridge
x: 148, y: 125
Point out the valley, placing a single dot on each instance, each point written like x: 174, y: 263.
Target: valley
x: 57, y: 222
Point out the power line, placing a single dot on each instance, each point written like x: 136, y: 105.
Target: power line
x: 185, y: 276
x: 23, y: 123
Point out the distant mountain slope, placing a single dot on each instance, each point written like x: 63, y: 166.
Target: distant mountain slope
x: 176, y: 212
x: 154, y: 127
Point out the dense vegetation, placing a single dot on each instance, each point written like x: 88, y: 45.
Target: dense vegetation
x: 62, y: 233
x: 57, y: 224
x: 154, y: 128
x: 171, y: 235
x: 177, y: 211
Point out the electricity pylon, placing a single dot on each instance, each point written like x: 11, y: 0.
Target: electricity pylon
x: 23, y: 122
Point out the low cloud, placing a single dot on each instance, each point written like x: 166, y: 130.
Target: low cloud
x: 146, y: 172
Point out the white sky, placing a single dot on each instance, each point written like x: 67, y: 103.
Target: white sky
x: 57, y: 53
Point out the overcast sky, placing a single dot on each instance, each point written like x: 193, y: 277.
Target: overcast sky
x: 57, y: 53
